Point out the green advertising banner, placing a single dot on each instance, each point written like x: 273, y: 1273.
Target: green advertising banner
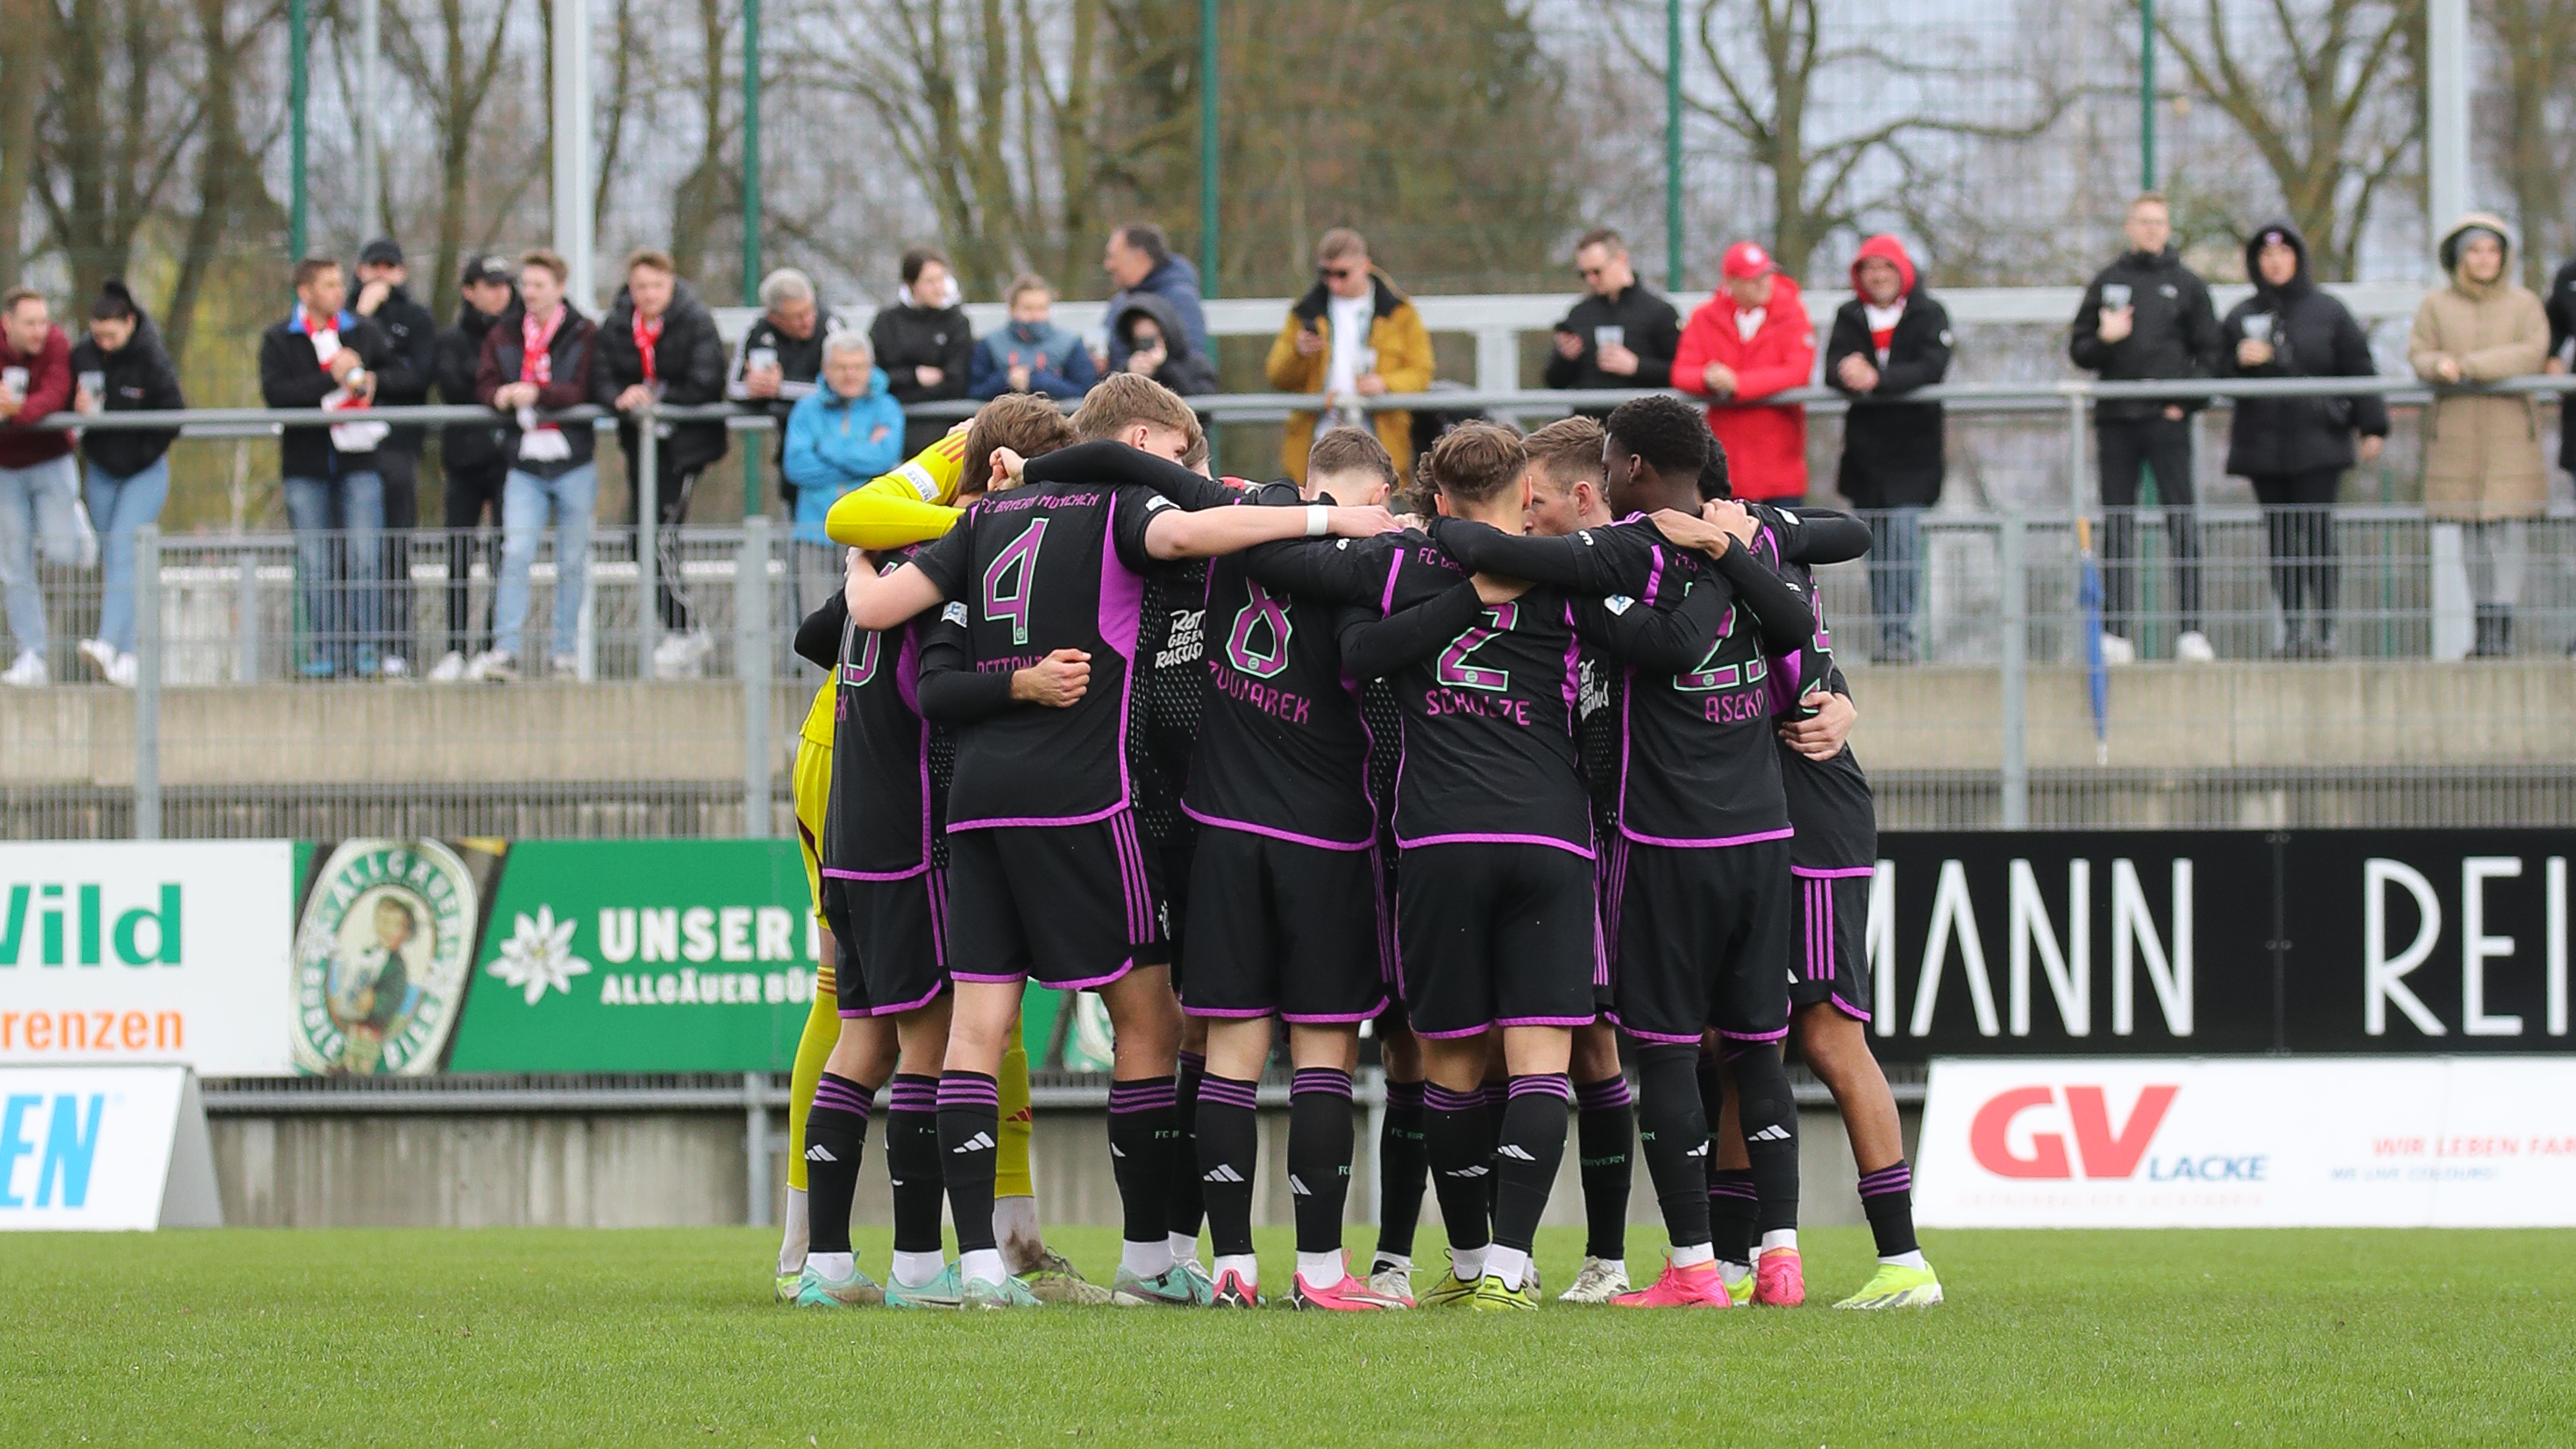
x: 419, y: 956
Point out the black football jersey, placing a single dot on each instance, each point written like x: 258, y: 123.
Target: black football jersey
x: 882, y: 821
x: 1830, y: 802
x: 1040, y: 568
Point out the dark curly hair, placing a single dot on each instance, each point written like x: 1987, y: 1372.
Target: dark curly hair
x: 1665, y: 431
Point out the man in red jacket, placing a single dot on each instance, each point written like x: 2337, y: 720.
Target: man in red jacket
x: 39, y: 483
x: 1750, y: 341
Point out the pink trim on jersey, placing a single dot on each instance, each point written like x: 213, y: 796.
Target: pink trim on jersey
x: 1783, y: 833
x: 1012, y: 822
x: 1547, y: 1021
x: 1657, y: 1037
x: 1752, y: 1035
x: 899, y: 1010
x: 832, y: 873
x: 1839, y: 872
x: 1583, y: 851
x: 1248, y: 828
x: 1229, y: 1013
x: 1854, y: 1012
x: 1300, y: 1018
x: 1454, y: 1035
x: 1007, y: 977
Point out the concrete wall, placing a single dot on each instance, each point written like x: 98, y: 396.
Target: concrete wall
x: 680, y: 1169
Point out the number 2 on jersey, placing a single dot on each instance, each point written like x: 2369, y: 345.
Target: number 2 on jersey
x: 1713, y: 675
x: 1012, y: 580
x: 1456, y: 672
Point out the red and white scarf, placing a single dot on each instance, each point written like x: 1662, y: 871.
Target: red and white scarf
x: 647, y: 333
x: 539, y: 442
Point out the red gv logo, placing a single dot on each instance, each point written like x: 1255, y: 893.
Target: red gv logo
x: 2101, y: 1151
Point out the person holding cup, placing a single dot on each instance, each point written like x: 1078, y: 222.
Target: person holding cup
x: 2146, y: 316
x: 121, y: 366
x: 1621, y: 334
x: 2295, y: 450
x: 39, y: 484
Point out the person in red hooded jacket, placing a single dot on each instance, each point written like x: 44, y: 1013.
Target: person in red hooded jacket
x: 1890, y: 339
x: 1750, y: 341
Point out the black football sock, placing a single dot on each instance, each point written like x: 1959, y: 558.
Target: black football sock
x: 1403, y: 1169
x: 1497, y: 1095
x: 1673, y: 1130
x: 1142, y: 1137
x: 1731, y: 1206
x: 1531, y: 1148
x: 970, y: 1125
x: 836, y: 1133
x: 1768, y: 1114
x: 1185, y: 1205
x: 1461, y: 1149
x: 1605, y: 1125
x: 1887, y: 1199
x: 912, y: 1162
x: 1320, y: 1141
x: 1229, y: 1138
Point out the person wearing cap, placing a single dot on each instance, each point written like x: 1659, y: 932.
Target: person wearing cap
x: 1888, y: 340
x: 471, y: 455
x: 1622, y: 334
x: 2482, y: 463
x: 2295, y: 450
x: 1751, y: 340
x: 2147, y: 316
x: 402, y: 381
x: 780, y: 356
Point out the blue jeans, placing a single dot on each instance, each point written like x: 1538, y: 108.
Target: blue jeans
x: 339, y: 523
x: 36, y: 507
x: 527, y: 503
x: 1896, y: 576
x: 117, y: 507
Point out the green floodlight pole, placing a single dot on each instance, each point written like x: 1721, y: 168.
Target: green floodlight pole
x: 1207, y: 148
x: 2147, y: 95
x: 751, y: 500
x: 1673, y: 144
x: 295, y: 98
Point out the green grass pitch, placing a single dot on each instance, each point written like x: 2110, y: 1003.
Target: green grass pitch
x: 669, y: 1337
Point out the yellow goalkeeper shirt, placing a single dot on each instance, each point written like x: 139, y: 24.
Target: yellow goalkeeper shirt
x: 910, y: 505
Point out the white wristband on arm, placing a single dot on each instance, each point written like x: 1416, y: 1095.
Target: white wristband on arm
x: 1319, y: 520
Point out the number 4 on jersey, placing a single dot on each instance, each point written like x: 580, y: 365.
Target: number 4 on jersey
x: 1012, y: 580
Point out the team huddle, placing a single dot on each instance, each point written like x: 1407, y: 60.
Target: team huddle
x: 1559, y: 759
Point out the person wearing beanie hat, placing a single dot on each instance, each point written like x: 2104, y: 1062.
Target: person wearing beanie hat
x: 2482, y: 463
x: 1889, y: 340
x: 1749, y: 341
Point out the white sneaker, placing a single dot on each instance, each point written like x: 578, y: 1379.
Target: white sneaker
x: 671, y: 657
x: 29, y: 672
x: 394, y: 666
x: 564, y: 666
x: 2194, y: 648
x: 2117, y: 651
x: 449, y: 669
x: 123, y: 672
x: 1598, y: 1282
x: 101, y: 656
x: 493, y: 666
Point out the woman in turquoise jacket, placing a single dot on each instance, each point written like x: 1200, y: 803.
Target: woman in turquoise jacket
x: 842, y: 434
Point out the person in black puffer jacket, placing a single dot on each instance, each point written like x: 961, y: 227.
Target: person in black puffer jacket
x: 1889, y: 340
x: 2163, y: 328
x: 1149, y: 328
x: 470, y: 454
x: 925, y: 344
x: 659, y: 341
x: 2295, y: 449
x: 122, y: 367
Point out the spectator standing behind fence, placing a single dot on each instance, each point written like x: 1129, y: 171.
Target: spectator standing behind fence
x: 2482, y: 464
x: 542, y: 364
x: 1352, y: 335
x: 473, y: 456
x: 1621, y: 334
x: 842, y: 434
x: 121, y: 367
x: 2295, y: 449
x: 1751, y: 340
x: 2146, y: 316
x: 39, y: 483
x: 780, y: 356
x: 658, y: 345
x: 325, y: 357
x: 1149, y: 329
x: 1031, y: 353
x: 1890, y: 339
x: 410, y: 366
x: 1141, y: 264
x: 924, y: 343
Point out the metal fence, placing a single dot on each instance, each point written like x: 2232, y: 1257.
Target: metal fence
x: 266, y: 705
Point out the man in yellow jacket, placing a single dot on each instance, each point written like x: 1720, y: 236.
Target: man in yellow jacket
x: 1352, y: 334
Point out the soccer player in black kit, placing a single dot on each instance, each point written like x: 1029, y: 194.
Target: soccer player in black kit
x: 1699, y: 872
x: 1495, y: 920
x: 1042, y: 830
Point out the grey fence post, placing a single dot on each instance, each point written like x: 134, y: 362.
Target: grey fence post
x: 246, y: 618
x: 2015, y: 672
x: 755, y: 1148
x: 147, y: 682
x: 751, y: 661
x: 648, y: 541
